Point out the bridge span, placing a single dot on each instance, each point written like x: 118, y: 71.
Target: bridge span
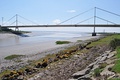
x: 68, y: 25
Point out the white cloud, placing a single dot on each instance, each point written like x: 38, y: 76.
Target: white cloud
x: 71, y: 11
x: 56, y: 21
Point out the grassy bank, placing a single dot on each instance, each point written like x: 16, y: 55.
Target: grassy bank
x: 116, y: 67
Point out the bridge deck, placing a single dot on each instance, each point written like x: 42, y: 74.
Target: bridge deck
x: 91, y: 25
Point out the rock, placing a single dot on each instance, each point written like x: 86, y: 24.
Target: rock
x: 76, y: 56
x: 21, y: 77
x: 72, y: 79
x: 103, y: 58
x: 91, y: 65
x: 86, y: 77
x: 106, y: 71
x: 108, y: 51
x: 81, y: 73
x: 110, y: 55
x: 95, y: 66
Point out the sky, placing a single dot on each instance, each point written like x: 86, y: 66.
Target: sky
x: 56, y: 11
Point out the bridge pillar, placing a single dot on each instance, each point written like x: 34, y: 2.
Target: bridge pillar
x: 94, y: 33
x: 16, y: 29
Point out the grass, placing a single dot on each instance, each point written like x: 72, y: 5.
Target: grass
x: 12, y: 57
x: 4, y: 72
x: 97, y: 72
x: 116, y: 67
x: 63, y: 42
x: 118, y: 52
x: 114, y: 79
x: 79, y: 40
x: 105, y: 40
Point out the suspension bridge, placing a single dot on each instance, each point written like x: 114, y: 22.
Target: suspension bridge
x: 94, y: 24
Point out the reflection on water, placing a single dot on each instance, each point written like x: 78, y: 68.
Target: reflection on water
x: 39, y: 36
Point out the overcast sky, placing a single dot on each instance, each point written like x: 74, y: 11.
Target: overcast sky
x: 56, y: 11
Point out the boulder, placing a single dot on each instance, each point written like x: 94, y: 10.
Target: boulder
x: 81, y: 73
x: 110, y: 55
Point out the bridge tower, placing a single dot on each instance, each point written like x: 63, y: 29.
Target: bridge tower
x: 16, y: 28
x: 94, y: 33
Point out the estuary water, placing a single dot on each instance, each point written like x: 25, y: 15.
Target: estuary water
x: 41, y: 36
x: 46, y: 34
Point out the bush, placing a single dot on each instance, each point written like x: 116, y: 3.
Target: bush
x: 114, y: 43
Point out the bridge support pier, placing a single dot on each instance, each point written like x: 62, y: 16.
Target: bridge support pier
x: 93, y: 34
x: 16, y: 29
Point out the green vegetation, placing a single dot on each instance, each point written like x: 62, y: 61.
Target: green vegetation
x: 79, y: 40
x: 12, y: 57
x: 97, y: 72
x: 116, y: 67
x: 115, y: 43
x: 114, y: 79
x: 118, y: 52
x: 7, y: 30
x: 4, y: 72
x: 103, y: 65
x: 63, y: 42
x: 105, y: 40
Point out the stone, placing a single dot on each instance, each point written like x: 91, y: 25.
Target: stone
x: 110, y: 55
x: 86, y: 77
x: 103, y: 58
x: 72, y: 79
x: 106, y: 71
x: 91, y: 65
x: 95, y: 66
x: 81, y: 73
